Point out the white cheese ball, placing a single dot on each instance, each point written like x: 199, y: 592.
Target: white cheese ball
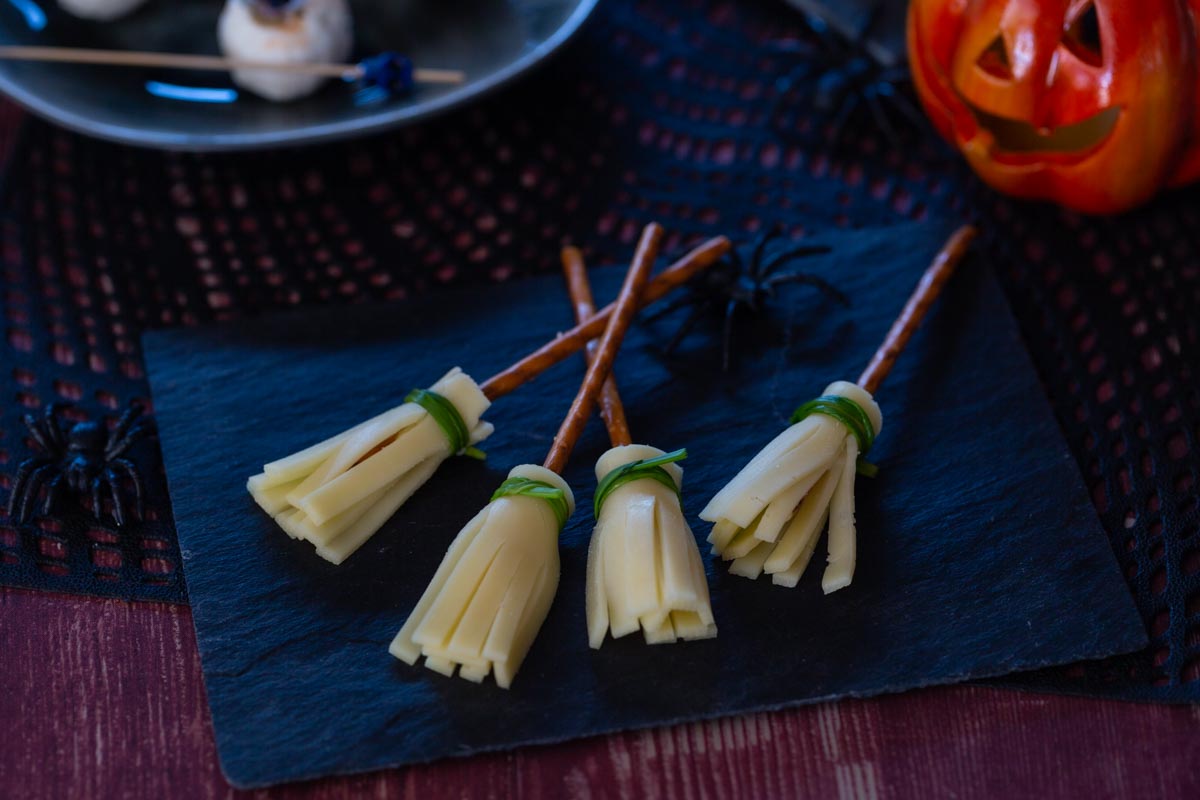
x: 319, y: 31
x: 100, y: 10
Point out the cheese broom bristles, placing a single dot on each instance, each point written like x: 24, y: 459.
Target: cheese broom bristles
x: 339, y: 492
x: 644, y: 569
x: 490, y: 595
x: 769, y: 517
x: 494, y: 587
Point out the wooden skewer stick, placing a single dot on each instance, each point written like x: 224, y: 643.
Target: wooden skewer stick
x: 606, y: 353
x: 574, y: 340
x: 136, y: 58
x: 931, y: 285
x: 580, y: 291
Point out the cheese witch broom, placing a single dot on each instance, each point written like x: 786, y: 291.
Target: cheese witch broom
x: 337, y: 493
x: 643, y: 569
x: 770, y: 516
x: 491, y: 593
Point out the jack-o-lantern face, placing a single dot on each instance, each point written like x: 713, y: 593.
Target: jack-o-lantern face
x: 1087, y: 102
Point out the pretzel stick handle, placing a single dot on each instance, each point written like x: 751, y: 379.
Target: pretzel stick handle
x: 927, y: 291
x: 627, y: 305
x: 580, y: 291
x: 574, y: 340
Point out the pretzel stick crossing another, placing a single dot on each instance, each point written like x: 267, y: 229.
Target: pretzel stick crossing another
x: 611, y: 408
x: 574, y: 340
x: 626, y: 307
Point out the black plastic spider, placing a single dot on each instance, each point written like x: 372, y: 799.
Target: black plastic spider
x: 737, y: 284
x: 85, y: 458
x: 841, y: 75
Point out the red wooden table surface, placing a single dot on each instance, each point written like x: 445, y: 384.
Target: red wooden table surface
x: 102, y: 698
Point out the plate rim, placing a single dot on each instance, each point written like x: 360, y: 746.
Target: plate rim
x: 307, y: 135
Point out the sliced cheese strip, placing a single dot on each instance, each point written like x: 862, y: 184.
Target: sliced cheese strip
x: 472, y: 629
x: 688, y: 625
x: 422, y: 441
x: 641, y: 557
x: 298, y: 465
x: 475, y: 674
x: 677, y: 586
x: 720, y: 535
x: 782, y: 508
x: 734, y: 494
x: 511, y: 613
x: 376, y: 455
x: 798, y: 452
x: 535, y: 613
x: 289, y: 521
x: 742, y: 543
x: 842, y: 538
x: 485, y: 608
x: 357, y: 534
x: 791, y: 576
x: 771, y: 479
x: 403, y: 647
x: 448, y: 607
x: 443, y: 666
x: 643, y: 563
x: 751, y: 564
x: 596, y: 589
x: 272, y: 498
x: 703, y: 603
x: 805, y: 526
x: 663, y: 633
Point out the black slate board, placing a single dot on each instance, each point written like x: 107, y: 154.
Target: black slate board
x: 979, y: 551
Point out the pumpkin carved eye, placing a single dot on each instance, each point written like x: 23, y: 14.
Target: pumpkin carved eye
x: 1083, y: 35
x: 994, y: 60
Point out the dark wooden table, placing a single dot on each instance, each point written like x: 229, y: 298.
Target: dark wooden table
x: 102, y: 698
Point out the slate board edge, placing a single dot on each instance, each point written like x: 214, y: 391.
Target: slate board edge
x: 237, y: 783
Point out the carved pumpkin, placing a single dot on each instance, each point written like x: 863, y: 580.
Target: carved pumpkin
x: 1094, y: 104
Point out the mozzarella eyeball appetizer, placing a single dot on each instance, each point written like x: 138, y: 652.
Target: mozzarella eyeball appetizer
x: 99, y: 10
x: 284, y: 32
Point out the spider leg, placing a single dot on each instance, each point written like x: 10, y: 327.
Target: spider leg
x: 53, y: 492
x: 727, y: 334
x: 39, y: 435
x: 848, y: 105
x: 893, y: 75
x: 20, y: 483
x: 52, y: 428
x: 125, y: 433
x: 130, y: 469
x: 821, y: 284
x: 774, y: 262
x: 684, y: 299
x: 114, y: 492
x: 97, y: 505
x: 117, y: 447
x: 881, y: 120
x: 760, y: 245
x: 131, y: 414
x: 32, y: 489
x: 686, y: 326
x: 901, y: 103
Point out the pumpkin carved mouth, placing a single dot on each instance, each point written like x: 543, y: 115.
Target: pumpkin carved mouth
x: 1021, y: 138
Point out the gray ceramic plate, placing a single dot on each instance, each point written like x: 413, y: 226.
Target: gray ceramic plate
x: 493, y: 41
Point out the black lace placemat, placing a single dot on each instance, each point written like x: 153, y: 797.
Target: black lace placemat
x: 698, y: 114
